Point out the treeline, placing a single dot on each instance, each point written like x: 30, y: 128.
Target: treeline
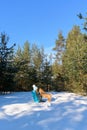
x: 65, y: 70
x: 19, y: 70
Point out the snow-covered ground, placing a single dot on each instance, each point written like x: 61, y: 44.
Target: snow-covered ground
x: 67, y: 112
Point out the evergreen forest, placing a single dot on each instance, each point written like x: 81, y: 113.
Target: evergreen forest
x: 65, y: 69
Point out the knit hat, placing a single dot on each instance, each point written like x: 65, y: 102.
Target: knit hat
x: 34, y: 87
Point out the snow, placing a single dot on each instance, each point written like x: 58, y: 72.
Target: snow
x: 18, y: 111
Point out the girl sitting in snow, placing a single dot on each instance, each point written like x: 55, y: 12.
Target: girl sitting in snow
x: 36, y: 95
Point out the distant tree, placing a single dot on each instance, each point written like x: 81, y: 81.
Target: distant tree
x: 6, y: 60
x: 59, y: 48
x: 47, y: 74
x: 22, y: 64
x: 57, y: 65
x: 37, y: 61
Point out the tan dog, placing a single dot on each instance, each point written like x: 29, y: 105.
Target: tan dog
x: 45, y: 95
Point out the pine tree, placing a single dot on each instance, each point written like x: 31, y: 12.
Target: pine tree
x: 22, y: 64
x: 73, y: 60
x: 6, y: 59
x: 59, y: 48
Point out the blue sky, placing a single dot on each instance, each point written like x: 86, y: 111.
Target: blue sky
x: 39, y: 21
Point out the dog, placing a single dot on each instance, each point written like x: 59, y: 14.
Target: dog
x: 45, y: 95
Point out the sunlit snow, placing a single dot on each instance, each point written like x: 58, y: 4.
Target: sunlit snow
x: 18, y: 111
